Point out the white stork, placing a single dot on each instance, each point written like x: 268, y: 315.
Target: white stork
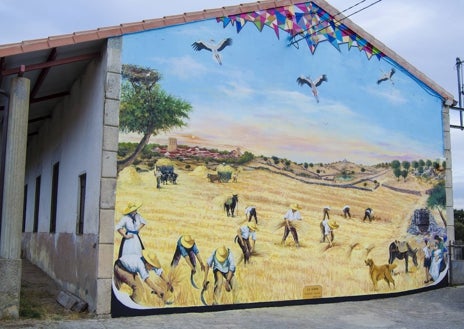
x: 387, y: 76
x: 213, y: 47
x: 302, y: 80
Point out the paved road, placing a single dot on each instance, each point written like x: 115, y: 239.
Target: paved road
x: 441, y: 308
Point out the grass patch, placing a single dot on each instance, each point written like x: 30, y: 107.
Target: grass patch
x: 29, y: 309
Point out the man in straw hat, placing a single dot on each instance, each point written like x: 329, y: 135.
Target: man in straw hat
x: 290, y: 217
x: 187, y: 248
x: 223, y: 265
x: 328, y: 226
x: 129, y: 227
x: 128, y: 266
x: 325, y: 215
x: 246, y: 233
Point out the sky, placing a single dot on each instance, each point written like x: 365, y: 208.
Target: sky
x: 425, y: 33
x: 253, y: 100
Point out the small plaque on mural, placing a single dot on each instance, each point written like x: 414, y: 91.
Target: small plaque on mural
x: 310, y: 292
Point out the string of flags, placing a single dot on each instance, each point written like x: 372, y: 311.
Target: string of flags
x: 304, y: 21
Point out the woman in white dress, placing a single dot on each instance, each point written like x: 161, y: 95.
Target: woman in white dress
x: 437, y: 258
x: 129, y: 227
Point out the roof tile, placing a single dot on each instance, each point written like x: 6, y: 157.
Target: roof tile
x: 107, y: 32
x: 232, y: 10
x: 60, y: 40
x: 195, y: 15
x: 10, y: 49
x: 85, y: 36
x: 153, y: 23
x: 218, y: 12
x: 34, y: 45
x: 132, y: 27
x: 175, y: 19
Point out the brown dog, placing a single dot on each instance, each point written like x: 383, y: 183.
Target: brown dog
x: 379, y: 272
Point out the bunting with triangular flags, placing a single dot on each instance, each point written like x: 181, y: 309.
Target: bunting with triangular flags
x: 305, y: 21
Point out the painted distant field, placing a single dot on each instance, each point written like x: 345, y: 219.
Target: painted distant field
x: 195, y: 206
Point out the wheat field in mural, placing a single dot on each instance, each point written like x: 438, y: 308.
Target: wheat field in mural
x: 276, y: 273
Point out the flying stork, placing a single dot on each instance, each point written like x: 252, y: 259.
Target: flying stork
x: 387, y: 76
x: 302, y: 80
x: 213, y: 47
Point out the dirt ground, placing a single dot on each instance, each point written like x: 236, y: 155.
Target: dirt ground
x: 38, y: 296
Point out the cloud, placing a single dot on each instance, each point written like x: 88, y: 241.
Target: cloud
x: 184, y: 67
x: 235, y: 89
x: 391, y: 95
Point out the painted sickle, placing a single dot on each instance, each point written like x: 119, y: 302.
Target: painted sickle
x: 166, y: 302
x: 202, y: 297
x: 193, y: 281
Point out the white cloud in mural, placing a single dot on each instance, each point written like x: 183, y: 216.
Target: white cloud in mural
x: 182, y: 67
x: 236, y: 90
x: 391, y: 95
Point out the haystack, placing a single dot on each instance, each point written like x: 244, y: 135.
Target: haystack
x: 165, y: 165
x: 225, y: 172
x: 200, y: 171
x: 129, y: 176
x: 164, y: 162
x: 223, y: 168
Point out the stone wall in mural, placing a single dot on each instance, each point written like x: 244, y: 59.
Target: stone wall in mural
x: 273, y: 156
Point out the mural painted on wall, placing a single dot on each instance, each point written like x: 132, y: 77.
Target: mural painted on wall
x: 273, y: 156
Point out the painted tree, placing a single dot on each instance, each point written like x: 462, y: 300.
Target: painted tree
x: 437, y: 199
x: 397, y: 173
x: 404, y: 173
x: 395, y: 164
x: 146, y: 109
x: 406, y: 165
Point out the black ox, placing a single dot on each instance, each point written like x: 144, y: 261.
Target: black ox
x: 169, y: 177
x: 230, y: 205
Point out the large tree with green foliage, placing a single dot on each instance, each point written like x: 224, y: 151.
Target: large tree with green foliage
x: 437, y: 199
x: 146, y: 109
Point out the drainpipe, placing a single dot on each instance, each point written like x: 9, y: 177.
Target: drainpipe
x: 460, y: 90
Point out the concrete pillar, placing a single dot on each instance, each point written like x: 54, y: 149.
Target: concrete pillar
x: 448, y: 175
x: 108, y: 176
x: 13, y: 198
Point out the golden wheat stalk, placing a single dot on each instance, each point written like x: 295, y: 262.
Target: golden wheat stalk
x: 295, y: 224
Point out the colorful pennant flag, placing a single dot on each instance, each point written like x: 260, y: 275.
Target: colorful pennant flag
x: 304, y: 22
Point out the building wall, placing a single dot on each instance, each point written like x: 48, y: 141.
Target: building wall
x: 74, y: 137
x: 324, y: 119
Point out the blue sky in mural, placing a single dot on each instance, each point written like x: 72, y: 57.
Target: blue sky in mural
x: 254, y: 102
